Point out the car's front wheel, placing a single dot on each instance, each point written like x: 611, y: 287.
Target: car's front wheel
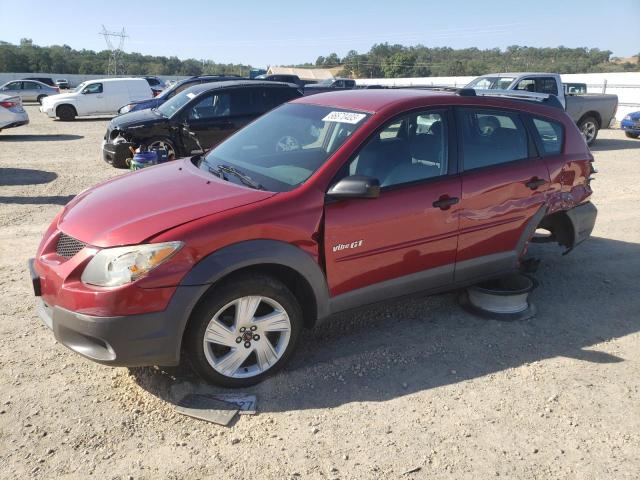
x: 243, y: 331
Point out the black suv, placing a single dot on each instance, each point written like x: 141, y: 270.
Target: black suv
x: 195, y: 119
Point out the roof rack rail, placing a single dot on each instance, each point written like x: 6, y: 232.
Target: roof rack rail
x: 546, y: 98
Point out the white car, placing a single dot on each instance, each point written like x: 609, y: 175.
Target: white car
x: 11, y: 112
x: 96, y: 97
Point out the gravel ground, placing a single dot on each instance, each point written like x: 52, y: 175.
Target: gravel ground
x: 416, y: 388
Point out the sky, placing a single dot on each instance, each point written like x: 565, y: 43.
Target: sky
x: 263, y: 33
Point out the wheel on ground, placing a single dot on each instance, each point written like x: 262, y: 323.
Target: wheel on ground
x: 66, y: 113
x: 589, y: 128
x: 243, y: 331
x: 40, y: 98
x: 632, y: 135
x: 164, y: 143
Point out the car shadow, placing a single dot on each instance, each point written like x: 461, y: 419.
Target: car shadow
x: 614, y: 144
x: 39, y: 200
x: 423, y: 342
x: 39, y: 138
x: 25, y: 176
x: 86, y: 119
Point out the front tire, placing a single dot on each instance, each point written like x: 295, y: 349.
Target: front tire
x: 66, y: 113
x: 163, y: 143
x: 243, y: 331
x: 589, y: 128
x: 632, y: 135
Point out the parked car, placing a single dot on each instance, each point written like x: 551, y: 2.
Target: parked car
x: 96, y: 97
x: 631, y: 125
x: 330, y: 85
x: 173, y: 90
x: 322, y: 205
x: 46, y: 80
x: 209, y: 111
x: 29, y: 90
x: 62, y: 83
x: 282, y: 78
x: 11, y: 112
x: 590, y: 112
x: 157, y: 85
x: 575, y: 88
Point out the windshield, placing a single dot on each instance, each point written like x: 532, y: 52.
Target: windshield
x: 171, y: 106
x: 283, y: 148
x: 80, y: 87
x: 491, y: 83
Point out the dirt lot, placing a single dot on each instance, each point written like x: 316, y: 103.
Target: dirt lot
x: 412, y: 385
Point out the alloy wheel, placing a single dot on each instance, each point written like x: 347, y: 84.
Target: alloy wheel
x: 247, y: 337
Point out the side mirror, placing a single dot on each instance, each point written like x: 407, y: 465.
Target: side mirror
x: 355, y: 186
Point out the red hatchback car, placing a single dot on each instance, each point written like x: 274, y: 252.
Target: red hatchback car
x: 324, y: 204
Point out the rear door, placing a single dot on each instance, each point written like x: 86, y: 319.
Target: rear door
x: 30, y: 91
x: 503, y: 190
x: 406, y: 239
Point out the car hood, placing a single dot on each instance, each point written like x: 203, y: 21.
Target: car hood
x: 130, y: 209
x: 59, y: 96
x: 144, y: 117
x: 634, y: 116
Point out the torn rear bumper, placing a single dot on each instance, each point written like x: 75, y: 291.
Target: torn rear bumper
x: 583, y: 219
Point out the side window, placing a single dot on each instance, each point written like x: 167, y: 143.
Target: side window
x: 211, y: 106
x: 93, y: 88
x: 547, y: 85
x: 551, y: 136
x: 14, y: 86
x: 30, y: 86
x: 274, y: 97
x: 407, y: 150
x: 491, y: 137
x: 526, y: 85
x: 247, y: 101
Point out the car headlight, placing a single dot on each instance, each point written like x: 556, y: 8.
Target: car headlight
x: 112, y: 267
x: 125, y: 109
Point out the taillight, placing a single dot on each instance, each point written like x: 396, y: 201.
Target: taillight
x: 8, y: 104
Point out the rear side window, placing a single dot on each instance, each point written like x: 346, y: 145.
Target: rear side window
x: 491, y: 137
x: 551, y: 136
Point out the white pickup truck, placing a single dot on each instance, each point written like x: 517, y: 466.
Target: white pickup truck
x: 591, y: 112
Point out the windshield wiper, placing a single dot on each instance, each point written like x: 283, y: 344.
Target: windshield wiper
x: 246, y: 179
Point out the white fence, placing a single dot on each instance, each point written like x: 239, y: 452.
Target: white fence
x: 624, y: 84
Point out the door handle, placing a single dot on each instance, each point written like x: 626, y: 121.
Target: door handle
x: 445, y: 202
x: 535, y: 182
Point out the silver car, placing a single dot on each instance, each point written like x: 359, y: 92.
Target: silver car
x: 29, y: 90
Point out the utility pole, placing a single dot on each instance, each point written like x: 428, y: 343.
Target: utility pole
x: 115, y: 52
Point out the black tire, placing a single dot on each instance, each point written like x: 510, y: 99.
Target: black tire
x: 215, y: 301
x: 589, y: 127
x: 66, y: 113
x: 40, y: 99
x: 632, y: 135
x: 120, y: 163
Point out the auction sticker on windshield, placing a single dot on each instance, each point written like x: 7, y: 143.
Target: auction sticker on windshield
x: 344, y: 117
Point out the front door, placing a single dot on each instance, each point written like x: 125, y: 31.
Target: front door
x: 406, y: 239
x: 92, y: 101
x: 503, y: 189
x: 210, y: 120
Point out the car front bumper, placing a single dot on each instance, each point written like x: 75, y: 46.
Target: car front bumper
x: 632, y: 126
x: 126, y: 340
x: 49, y: 110
x: 116, y: 154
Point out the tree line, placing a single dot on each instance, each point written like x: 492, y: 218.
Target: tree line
x: 29, y: 58
x: 391, y: 61
x: 383, y: 60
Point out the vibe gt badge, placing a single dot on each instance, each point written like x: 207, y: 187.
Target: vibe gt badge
x: 345, y: 246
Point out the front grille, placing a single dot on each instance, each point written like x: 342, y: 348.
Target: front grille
x: 68, y: 246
